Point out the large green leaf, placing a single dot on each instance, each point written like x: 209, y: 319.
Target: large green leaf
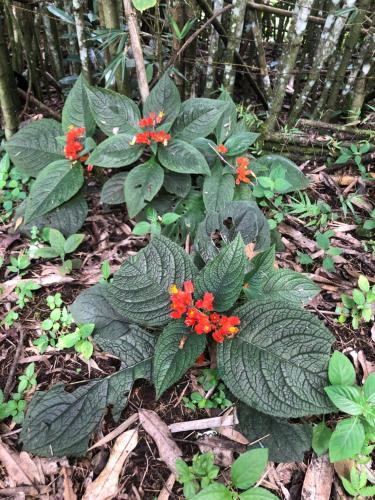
x: 227, y: 122
x: 171, y: 360
x: 198, y: 118
x: 248, y: 468
x: 35, y: 146
x: 116, y: 151
x: 278, y: 361
x: 113, y: 112
x: 68, y: 218
x: 140, y: 289
x: 55, y: 185
x: 285, y: 442
x: 296, y: 178
x: 113, y: 190
x: 181, y: 157
x: 178, y: 184
x: 221, y: 227
x: 76, y: 109
x: 60, y: 423
x: 164, y: 97
x: 218, y: 188
x: 223, y: 276
x: 240, y: 142
x: 346, y: 440
x: 141, y: 185
x: 282, y: 284
x: 112, y: 333
x: 207, y: 148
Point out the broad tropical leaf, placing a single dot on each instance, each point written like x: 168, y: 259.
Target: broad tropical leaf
x: 76, y: 111
x: 112, y: 333
x: 178, y: 184
x: 35, y: 146
x: 164, y: 97
x: 55, y: 185
x: 278, y: 361
x: 140, y: 289
x: 285, y: 442
x: 113, y: 113
x: 181, y: 157
x: 218, y: 188
x: 198, y: 118
x: 116, y: 151
x: 60, y: 423
x: 141, y: 185
x: 296, y: 178
x: 224, y: 275
x: 176, y: 350
x: 227, y: 121
x: 240, y: 142
x: 113, y: 190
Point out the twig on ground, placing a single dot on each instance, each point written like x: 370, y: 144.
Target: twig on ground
x: 10, y: 380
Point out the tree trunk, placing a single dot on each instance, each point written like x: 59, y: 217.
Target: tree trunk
x: 112, y: 21
x: 53, y: 47
x: 261, y: 55
x: 78, y: 12
x: 213, y: 53
x: 236, y: 23
x: 8, y: 98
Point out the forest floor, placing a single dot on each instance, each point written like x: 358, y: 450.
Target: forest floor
x: 109, y: 237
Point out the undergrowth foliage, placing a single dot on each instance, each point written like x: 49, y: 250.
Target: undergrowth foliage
x: 164, y: 307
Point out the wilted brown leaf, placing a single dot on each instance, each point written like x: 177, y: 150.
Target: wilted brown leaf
x: 318, y: 479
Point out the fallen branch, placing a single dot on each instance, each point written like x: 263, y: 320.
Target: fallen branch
x: 205, y: 423
x: 316, y: 124
x: 10, y: 380
x: 43, y: 107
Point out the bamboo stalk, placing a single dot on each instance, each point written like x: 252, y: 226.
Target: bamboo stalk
x: 78, y: 13
x: 213, y: 52
x: 236, y: 23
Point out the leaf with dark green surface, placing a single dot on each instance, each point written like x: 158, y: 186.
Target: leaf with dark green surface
x: 277, y: 362
x: 164, y: 97
x: 178, y: 184
x: 242, y: 217
x: 113, y: 113
x: 116, y: 151
x: 207, y: 148
x: 320, y: 439
x: 293, y: 175
x: 259, y: 268
x: 112, y: 333
x: 283, y: 284
x: 223, y: 276
x: 248, y: 468
x: 346, y: 440
x: 286, y: 442
x: 68, y: 218
x: 198, y: 118
x: 34, y: 147
x: 72, y: 243
x: 218, y: 188
x: 55, y: 185
x: 140, y: 289
x: 227, y: 121
x: 141, y: 185
x: 113, y: 190
x: 181, y: 157
x: 240, y: 142
x: 59, y: 423
x: 171, y: 360
x: 76, y: 110
x: 340, y: 370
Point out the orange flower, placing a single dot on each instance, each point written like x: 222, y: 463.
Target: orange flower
x: 242, y: 171
x: 206, y: 302
x: 222, y: 149
x: 73, y: 146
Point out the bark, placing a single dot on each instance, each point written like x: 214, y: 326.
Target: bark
x: 112, y: 21
x: 78, y: 12
x: 72, y: 42
x: 213, y: 52
x: 8, y: 98
x: 236, y: 23
x: 328, y: 42
x: 53, y: 47
x: 131, y: 20
x: 191, y: 54
x: 178, y: 14
x: 261, y: 55
x: 295, y: 37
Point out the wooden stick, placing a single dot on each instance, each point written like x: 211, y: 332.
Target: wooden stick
x: 204, y: 423
x: 135, y: 42
x: 10, y: 380
x: 40, y: 105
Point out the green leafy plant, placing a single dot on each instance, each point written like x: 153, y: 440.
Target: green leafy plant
x: 181, y: 34
x: 15, y: 407
x: 269, y: 186
x: 154, y: 222
x: 215, y: 397
x: 79, y: 339
x: 318, y: 212
x: 246, y: 470
x: 323, y: 240
x: 12, y: 187
x: 132, y: 318
x: 19, y: 264
x: 358, y: 307
x: 59, y: 247
x: 106, y: 272
x: 355, y: 153
x: 24, y: 291
x: 356, y: 486
x: 352, y: 435
x: 10, y: 318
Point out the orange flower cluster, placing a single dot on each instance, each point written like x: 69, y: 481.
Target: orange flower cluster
x: 73, y: 146
x: 151, y: 135
x: 242, y: 170
x: 222, y: 149
x: 199, y: 315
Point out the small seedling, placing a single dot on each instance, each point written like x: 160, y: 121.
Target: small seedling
x: 356, y: 486
x: 181, y: 34
x: 59, y: 247
x: 324, y: 243
x: 106, y: 272
x: 79, y: 339
x: 154, y: 222
x: 269, y: 187
x: 19, y: 264
x: 208, y: 380
x: 11, y: 188
x: 318, y: 212
x: 355, y: 153
x: 24, y: 291
x: 304, y: 259
x: 200, y: 474
x: 359, y: 305
x: 16, y: 406
x: 10, y: 318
